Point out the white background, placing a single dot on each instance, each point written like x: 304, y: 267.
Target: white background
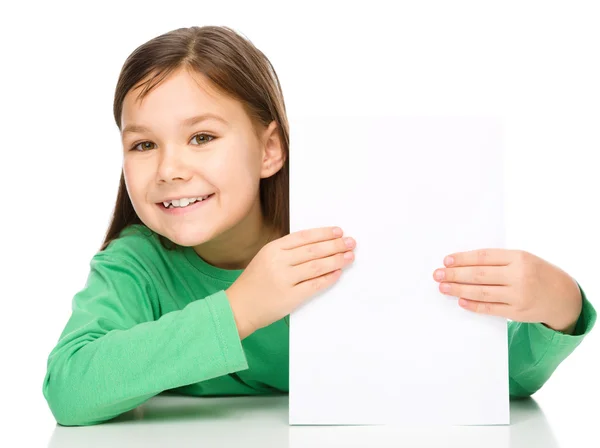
x: 534, y: 63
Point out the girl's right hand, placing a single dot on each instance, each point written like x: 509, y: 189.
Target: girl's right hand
x: 285, y: 273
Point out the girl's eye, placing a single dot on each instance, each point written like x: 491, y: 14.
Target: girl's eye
x: 142, y: 143
x: 195, y: 137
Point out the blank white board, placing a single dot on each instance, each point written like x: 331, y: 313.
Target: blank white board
x: 383, y: 345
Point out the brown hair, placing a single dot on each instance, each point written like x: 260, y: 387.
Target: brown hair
x: 237, y: 69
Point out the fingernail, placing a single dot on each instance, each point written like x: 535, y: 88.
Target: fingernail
x: 349, y: 241
x: 448, y: 261
x: 439, y: 275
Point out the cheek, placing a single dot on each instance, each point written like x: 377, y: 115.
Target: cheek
x: 134, y: 182
x: 128, y: 171
x: 237, y: 179
x: 129, y: 178
x: 236, y: 171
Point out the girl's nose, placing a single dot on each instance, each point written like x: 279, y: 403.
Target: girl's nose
x: 172, y: 166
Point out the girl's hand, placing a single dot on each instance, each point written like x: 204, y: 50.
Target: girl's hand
x: 285, y: 273
x: 513, y: 284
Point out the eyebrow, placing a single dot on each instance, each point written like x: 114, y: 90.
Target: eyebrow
x: 185, y: 123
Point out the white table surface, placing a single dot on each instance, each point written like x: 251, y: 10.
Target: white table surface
x: 169, y: 420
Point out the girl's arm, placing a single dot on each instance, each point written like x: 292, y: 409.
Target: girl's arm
x: 535, y: 350
x: 116, y: 351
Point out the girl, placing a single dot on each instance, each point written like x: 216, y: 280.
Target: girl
x: 198, y: 271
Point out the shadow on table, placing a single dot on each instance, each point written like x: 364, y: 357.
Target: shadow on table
x: 263, y: 422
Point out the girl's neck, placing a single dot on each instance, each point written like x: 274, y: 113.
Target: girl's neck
x: 236, y: 247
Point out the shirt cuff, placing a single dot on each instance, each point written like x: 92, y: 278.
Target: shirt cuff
x: 227, y: 331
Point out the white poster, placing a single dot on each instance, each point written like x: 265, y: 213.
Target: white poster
x: 383, y: 345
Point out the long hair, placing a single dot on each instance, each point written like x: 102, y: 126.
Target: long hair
x: 235, y: 67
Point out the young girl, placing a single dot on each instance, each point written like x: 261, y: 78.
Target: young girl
x: 198, y: 271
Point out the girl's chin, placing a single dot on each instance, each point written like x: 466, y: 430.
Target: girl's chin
x: 184, y: 236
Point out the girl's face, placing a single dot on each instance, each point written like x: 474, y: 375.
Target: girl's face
x: 170, y: 155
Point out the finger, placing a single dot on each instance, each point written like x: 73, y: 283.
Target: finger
x: 477, y: 275
x: 321, y: 266
x: 491, y: 308
x: 308, y: 236
x: 481, y: 257
x: 318, y: 250
x: 481, y: 293
x: 310, y: 287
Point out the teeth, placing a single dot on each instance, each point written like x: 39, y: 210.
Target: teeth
x: 183, y: 202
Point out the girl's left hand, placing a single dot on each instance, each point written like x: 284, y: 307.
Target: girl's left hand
x: 513, y: 284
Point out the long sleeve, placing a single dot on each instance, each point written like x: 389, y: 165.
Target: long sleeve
x: 116, y: 351
x: 535, y: 351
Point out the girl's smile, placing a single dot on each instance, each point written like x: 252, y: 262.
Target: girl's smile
x: 177, y: 211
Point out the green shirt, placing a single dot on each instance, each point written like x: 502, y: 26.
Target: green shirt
x: 151, y: 320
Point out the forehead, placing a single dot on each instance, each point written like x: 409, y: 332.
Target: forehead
x: 179, y: 96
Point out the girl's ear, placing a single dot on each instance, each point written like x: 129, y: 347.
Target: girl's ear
x: 272, y: 152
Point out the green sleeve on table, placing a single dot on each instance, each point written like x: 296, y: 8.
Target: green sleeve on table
x: 113, y: 355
